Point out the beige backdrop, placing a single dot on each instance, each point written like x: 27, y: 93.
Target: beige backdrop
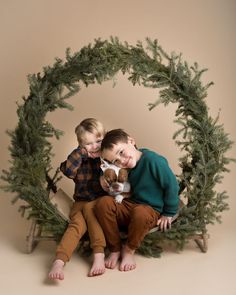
x: 32, y: 34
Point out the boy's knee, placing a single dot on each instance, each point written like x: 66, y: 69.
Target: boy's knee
x: 88, y: 207
x: 138, y: 213
x: 142, y: 215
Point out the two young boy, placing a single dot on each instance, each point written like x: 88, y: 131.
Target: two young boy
x: 154, y: 199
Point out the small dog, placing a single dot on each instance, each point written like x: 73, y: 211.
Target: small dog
x: 116, y: 178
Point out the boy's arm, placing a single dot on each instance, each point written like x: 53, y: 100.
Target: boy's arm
x: 70, y: 167
x: 170, y: 187
x: 171, y: 197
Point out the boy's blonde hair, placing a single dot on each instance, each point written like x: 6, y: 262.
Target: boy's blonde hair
x: 89, y: 125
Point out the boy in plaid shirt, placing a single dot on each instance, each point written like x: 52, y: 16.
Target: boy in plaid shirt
x: 83, y: 166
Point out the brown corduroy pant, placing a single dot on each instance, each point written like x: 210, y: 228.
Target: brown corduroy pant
x: 137, y: 218
x: 82, y: 218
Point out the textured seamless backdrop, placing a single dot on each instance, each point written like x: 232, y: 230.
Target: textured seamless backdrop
x: 33, y: 33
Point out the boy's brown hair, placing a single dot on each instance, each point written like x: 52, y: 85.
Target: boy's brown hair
x: 113, y: 137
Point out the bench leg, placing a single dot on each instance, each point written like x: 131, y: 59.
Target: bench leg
x: 32, y: 238
x: 202, y: 242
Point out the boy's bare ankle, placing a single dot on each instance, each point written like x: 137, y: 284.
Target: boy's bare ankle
x: 59, y: 262
x: 127, y: 249
x: 112, y: 260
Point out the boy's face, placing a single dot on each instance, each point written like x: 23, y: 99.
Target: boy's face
x: 92, y: 144
x: 123, y: 155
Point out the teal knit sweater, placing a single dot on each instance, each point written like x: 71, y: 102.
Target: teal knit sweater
x: 153, y: 183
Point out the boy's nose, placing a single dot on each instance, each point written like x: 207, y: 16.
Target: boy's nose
x: 95, y: 146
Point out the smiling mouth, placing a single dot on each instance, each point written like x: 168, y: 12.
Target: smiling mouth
x: 127, y: 162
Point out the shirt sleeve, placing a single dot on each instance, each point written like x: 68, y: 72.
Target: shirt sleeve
x: 70, y: 167
x: 169, y: 186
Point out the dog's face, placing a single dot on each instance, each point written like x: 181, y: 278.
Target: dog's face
x: 115, y: 182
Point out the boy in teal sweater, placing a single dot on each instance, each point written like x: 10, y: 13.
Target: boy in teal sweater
x: 154, y: 199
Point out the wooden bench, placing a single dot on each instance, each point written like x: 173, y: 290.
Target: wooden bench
x: 63, y: 204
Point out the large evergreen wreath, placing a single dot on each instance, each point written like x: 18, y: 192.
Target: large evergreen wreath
x: 202, y: 140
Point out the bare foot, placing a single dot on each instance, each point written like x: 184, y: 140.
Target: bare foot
x: 112, y: 260
x: 127, y: 260
x: 56, y: 272
x: 98, y: 267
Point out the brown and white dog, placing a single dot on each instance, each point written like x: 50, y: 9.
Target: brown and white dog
x: 117, y: 179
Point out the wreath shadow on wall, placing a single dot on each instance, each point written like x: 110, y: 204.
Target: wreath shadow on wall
x: 201, y: 139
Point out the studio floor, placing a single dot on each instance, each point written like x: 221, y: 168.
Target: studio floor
x: 188, y: 272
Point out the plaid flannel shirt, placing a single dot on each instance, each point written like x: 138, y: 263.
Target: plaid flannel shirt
x: 85, y: 172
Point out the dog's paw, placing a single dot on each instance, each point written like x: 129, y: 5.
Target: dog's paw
x: 119, y: 198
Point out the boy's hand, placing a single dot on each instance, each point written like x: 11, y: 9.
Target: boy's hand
x: 164, y: 222
x: 94, y: 155
x: 83, y: 151
x: 104, y: 184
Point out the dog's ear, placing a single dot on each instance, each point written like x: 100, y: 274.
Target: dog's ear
x: 110, y: 175
x: 104, y: 165
x: 123, y: 175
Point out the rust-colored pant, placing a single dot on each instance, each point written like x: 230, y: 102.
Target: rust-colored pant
x: 137, y: 218
x: 82, y: 218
